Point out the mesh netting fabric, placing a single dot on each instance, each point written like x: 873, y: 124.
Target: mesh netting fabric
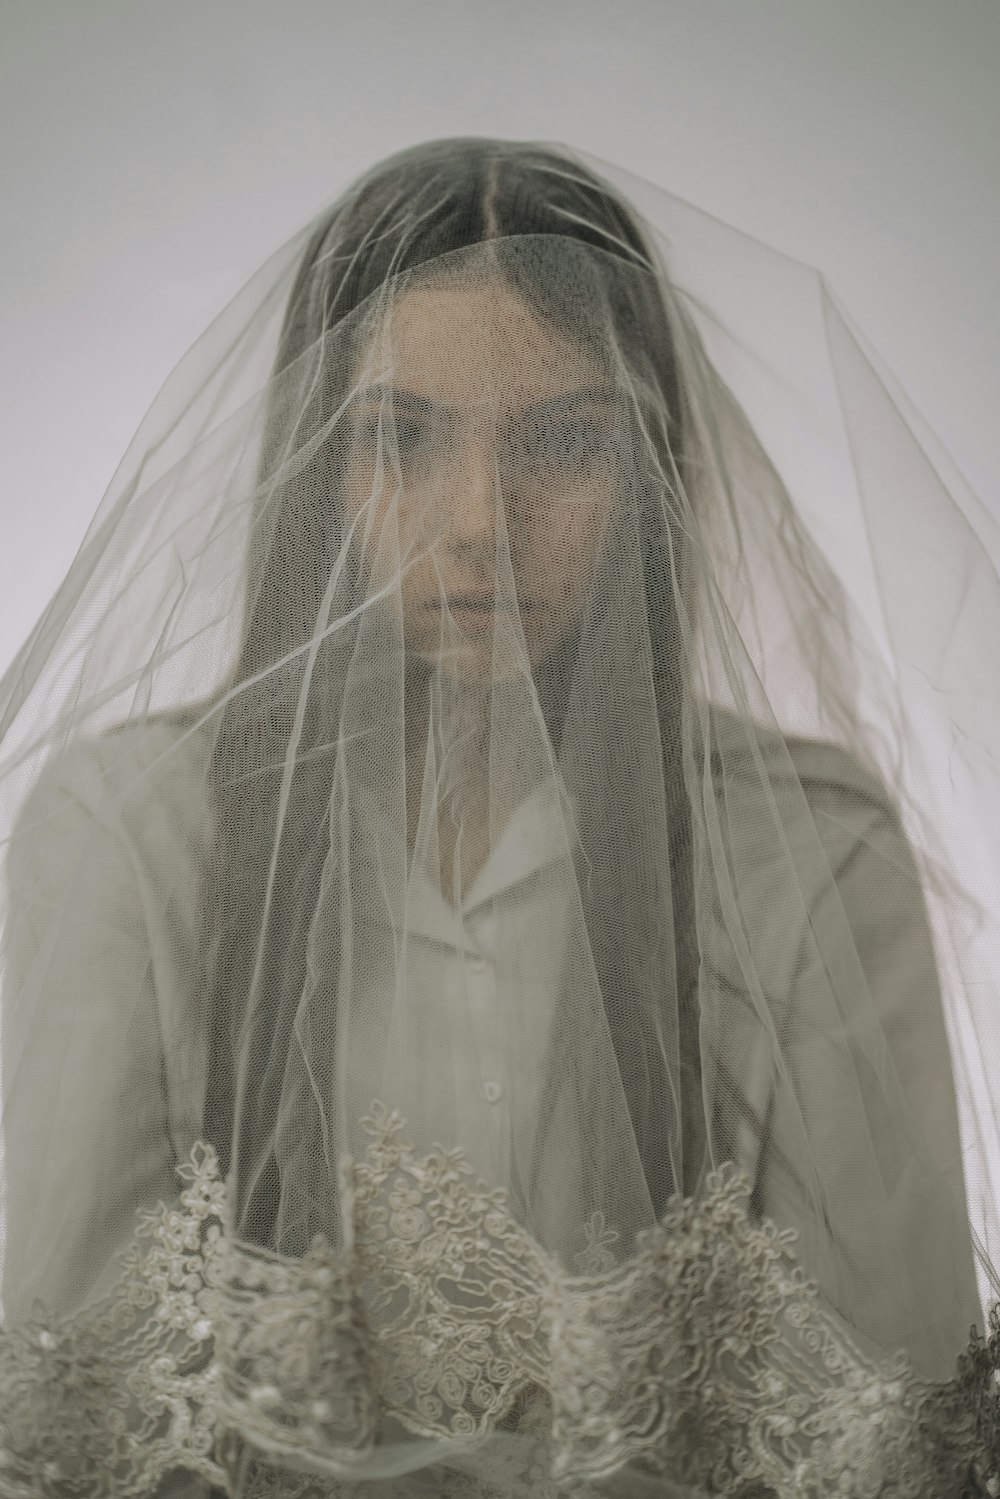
x: 501, y: 907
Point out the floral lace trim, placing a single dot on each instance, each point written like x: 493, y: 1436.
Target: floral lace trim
x: 707, y: 1357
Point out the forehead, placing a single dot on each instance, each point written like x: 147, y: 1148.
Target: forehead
x: 466, y: 347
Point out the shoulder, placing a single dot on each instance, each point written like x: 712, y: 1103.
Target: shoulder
x: 818, y: 894
x: 814, y: 843
x: 135, y: 783
x: 798, y: 782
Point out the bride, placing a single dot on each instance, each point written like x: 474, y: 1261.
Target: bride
x: 496, y: 956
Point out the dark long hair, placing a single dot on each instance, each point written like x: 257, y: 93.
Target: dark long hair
x: 426, y: 203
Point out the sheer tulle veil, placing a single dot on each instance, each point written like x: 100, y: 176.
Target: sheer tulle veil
x: 501, y: 907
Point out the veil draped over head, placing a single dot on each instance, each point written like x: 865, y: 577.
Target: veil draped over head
x: 501, y: 902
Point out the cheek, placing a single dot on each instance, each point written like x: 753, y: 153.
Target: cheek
x: 370, y: 508
x: 356, y: 490
x: 566, y: 548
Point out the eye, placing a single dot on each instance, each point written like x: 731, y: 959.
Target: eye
x: 410, y: 435
x: 570, y: 448
x: 401, y: 437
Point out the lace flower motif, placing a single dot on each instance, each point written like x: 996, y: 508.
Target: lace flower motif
x: 706, y: 1357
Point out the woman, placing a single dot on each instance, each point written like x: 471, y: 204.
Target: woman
x: 454, y: 870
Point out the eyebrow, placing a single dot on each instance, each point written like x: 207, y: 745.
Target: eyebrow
x: 566, y: 400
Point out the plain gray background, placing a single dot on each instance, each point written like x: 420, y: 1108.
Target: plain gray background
x: 156, y: 151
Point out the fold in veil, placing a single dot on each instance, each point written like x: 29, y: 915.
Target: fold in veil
x: 501, y: 903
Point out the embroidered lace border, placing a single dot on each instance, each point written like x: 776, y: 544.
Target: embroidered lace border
x: 708, y: 1356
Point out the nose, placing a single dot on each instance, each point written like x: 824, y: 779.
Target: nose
x: 470, y: 498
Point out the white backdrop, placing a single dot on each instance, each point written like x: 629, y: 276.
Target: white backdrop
x: 157, y: 150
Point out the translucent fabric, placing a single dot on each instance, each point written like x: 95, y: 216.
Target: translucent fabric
x: 501, y: 906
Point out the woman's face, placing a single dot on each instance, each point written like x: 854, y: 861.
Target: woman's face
x: 499, y: 474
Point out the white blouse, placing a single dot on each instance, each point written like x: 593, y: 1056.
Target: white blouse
x: 474, y: 996
x: 103, y: 1041
x: 107, y: 1044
